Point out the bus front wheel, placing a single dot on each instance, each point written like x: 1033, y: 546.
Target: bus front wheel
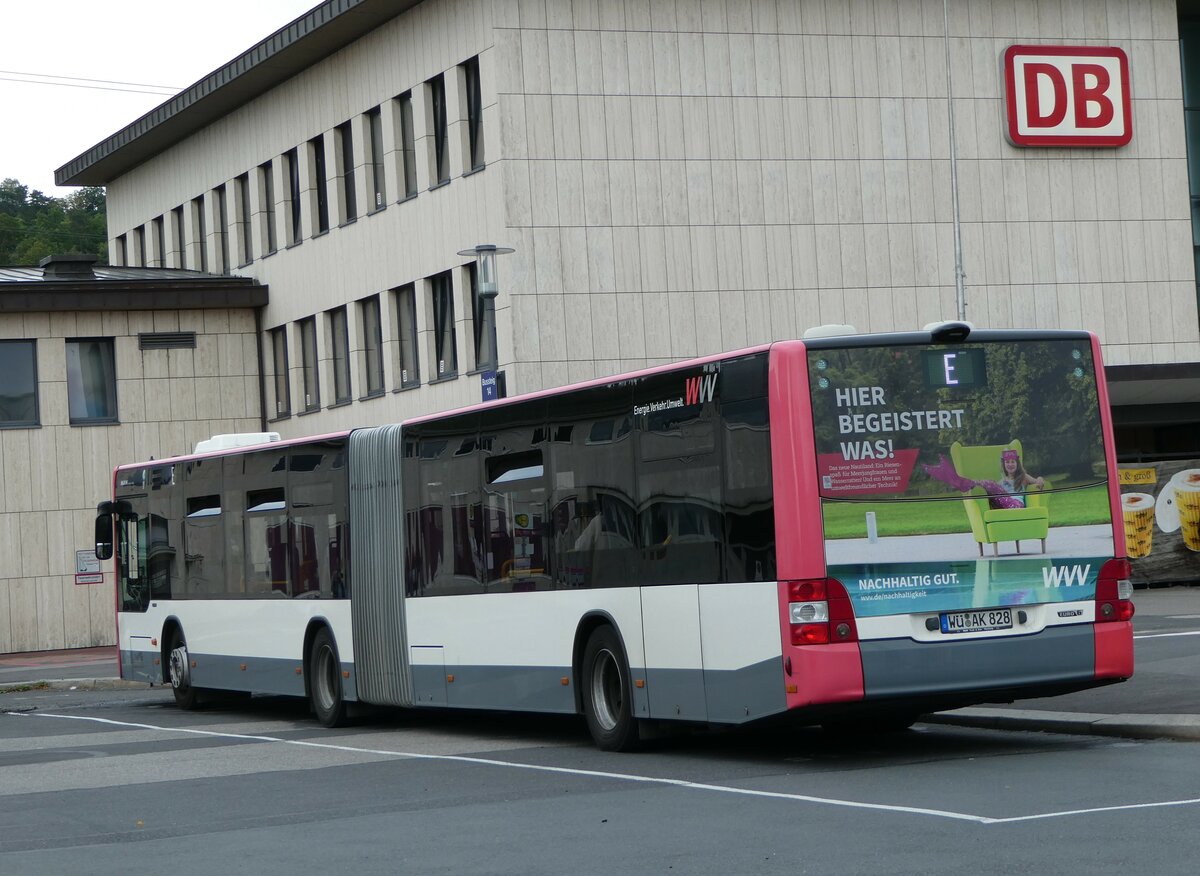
x: 179, y: 665
x: 607, y: 700
x: 325, y: 689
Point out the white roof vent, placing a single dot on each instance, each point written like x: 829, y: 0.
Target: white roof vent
x: 832, y: 330
x: 239, y: 439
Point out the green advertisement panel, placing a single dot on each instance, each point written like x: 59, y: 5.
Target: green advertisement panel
x: 961, y: 476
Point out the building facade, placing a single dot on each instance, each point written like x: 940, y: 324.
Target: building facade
x: 676, y: 179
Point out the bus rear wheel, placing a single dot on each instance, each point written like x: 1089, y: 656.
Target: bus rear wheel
x: 179, y: 673
x: 607, y: 699
x: 325, y: 685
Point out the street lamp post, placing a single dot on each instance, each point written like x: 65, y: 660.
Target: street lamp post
x: 486, y: 290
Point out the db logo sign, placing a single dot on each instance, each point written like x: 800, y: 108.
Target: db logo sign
x: 1067, y: 96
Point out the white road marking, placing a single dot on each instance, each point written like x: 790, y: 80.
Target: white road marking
x: 624, y: 777
x: 1167, y: 635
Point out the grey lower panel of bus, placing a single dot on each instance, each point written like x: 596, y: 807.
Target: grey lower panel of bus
x: 718, y: 696
x: 902, y: 667
x: 261, y: 675
x: 376, y: 567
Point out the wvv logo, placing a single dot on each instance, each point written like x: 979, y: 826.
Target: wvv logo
x: 698, y: 390
x: 1066, y: 576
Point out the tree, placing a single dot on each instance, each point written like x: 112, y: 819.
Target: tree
x: 34, y: 225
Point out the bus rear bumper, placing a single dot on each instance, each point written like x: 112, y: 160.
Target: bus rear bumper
x: 894, y: 668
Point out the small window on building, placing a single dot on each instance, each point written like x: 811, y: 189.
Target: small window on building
x: 474, y: 97
x: 445, y: 355
x: 245, y: 233
x: 291, y: 162
x: 375, y: 126
x: 483, y: 315
x: 406, y: 333
x: 160, y: 242
x: 180, y: 237
x: 18, y: 391
x: 349, y: 202
x: 201, y: 237
x: 122, y: 251
x: 308, y: 363
x: 339, y: 344
x: 440, y: 164
x: 320, y: 182
x: 91, y: 381
x: 222, y: 235
x: 372, y: 341
x: 267, y: 207
x: 408, y: 145
x: 283, y: 395
x: 139, y: 240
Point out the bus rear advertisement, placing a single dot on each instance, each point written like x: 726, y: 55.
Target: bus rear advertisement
x: 845, y: 528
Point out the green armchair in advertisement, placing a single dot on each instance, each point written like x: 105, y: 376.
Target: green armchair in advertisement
x: 993, y: 525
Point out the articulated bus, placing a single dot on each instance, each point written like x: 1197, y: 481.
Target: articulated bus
x: 836, y: 529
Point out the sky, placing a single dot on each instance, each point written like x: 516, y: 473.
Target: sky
x: 141, y: 42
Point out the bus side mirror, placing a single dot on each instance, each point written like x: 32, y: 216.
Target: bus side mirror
x: 104, y: 531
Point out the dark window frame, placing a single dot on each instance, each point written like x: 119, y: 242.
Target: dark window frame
x: 267, y: 177
x: 345, y: 133
x: 378, y: 179
x: 408, y: 370
x: 445, y: 339
x: 35, y: 421
x: 371, y: 322
x: 408, y: 144
x: 472, y: 87
x: 291, y: 160
x: 316, y: 147
x: 440, y: 140
x: 309, y: 366
x: 110, y: 381
x: 339, y: 346
x: 279, y: 359
x: 246, y: 219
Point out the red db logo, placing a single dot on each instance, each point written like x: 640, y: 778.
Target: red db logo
x: 1067, y: 96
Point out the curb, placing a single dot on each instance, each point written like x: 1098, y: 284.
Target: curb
x: 1184, y: 728
x: 74, y: 684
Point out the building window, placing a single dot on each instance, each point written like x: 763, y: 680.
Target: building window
x: 245, y: 237
x: 339, y: 343
x: 437, y: 108
x: 408, y: 144
x: 406, y: 333
x: 160, y: 242
x: 18, y: 391
x: 267, y: 207
x: 283, y: 395
x: 91, y: 381
x: 308, y: 363
x: 483, y: 316
x: 122, y: 252
x: 139, y: 240
x: 474, y: 113
x: 349, y: 195
x: 321, y: 183
x: 372, y: 341
x: 180, y: 236
x: 222, y: 234
x: 445, y: 355
x: 375, y: 127
x: 201, y: 238
x: 291, y: 164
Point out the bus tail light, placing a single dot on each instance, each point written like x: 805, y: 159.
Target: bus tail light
x: 1114, y: 592
x: 819, y: 612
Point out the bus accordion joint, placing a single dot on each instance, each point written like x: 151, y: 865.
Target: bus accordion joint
x: 1114, y: 592
x: 819, y: 612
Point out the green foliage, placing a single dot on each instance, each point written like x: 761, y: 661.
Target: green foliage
x: 34, y: 225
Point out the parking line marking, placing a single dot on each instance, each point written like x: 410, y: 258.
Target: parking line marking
x: 1167, y: 635
x: 625, y: 777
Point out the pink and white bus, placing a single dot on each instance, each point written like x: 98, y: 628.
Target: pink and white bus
x: 847, y: 527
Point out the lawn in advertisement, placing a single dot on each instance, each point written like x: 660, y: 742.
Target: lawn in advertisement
x: 961, y: 476
x: 1160, y: 503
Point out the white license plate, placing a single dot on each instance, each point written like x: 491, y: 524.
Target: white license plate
x: 977, y: 621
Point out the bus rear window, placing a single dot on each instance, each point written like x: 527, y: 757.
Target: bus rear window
x: 909, y: 422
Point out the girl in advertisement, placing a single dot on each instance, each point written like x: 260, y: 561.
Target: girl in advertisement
x: 1008, y: 492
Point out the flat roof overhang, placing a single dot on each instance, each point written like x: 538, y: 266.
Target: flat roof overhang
x: 290, y: 50
x: 100, y: 295
x: 1163, y: 384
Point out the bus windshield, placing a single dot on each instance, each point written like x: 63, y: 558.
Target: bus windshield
x: 961, y: 476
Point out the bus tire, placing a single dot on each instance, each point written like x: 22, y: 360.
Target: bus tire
x: 325, y: 681
x: 607, y: 694
x: 179, y: 673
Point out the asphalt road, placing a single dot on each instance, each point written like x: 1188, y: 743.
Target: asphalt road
x: 118, y: 781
